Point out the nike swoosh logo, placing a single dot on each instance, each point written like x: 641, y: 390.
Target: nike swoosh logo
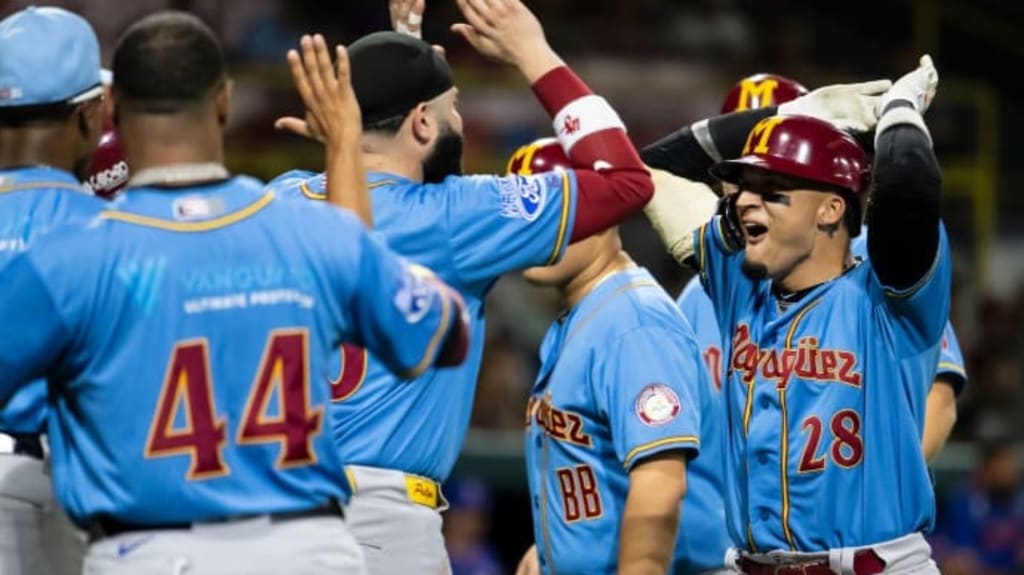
x: 126, y: 548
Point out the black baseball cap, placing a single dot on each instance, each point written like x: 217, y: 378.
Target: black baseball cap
x: 392, y: 73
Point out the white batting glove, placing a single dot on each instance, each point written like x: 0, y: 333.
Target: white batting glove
x: 917, y: 87
x: 849, y: 107
x: 679, y: 207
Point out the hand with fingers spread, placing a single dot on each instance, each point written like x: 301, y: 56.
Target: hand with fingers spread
x: 407, y: 16
x: 506, y: 30
x: 850, y: 107
x: 332, y: 117
x: 330, y: 101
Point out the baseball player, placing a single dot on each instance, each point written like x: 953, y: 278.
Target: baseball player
x: 620, y: 410
x: 182, y: 328
x: 402, y: 439
x: 762, y: 91
x: 831, y: 357
x: 49, y: 125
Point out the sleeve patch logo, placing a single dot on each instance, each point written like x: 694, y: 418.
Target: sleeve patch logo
x: 657, y: 404
x: 523, y: 197
x: 414, y: 296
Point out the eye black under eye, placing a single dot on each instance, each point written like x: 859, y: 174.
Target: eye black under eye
x: 775, y: 197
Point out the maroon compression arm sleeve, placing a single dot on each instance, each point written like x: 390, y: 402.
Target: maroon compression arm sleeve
x: 612, y: 182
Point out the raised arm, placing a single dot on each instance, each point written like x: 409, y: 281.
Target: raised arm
x: 402, y: 313
x: 612, y: 181
x: 903, y: 214
x: 334, y: 118
x: 691, y: 150
x: 680, y: 161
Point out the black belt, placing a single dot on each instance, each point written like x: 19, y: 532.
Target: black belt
x: 26, y: 444
x: 102, y: 526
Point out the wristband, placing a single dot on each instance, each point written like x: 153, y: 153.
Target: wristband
x: 583, y: 117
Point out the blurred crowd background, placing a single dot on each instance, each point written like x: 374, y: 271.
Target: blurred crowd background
x: 662, y: 64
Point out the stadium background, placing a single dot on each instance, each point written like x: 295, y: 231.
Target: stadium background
x: 663, y: 63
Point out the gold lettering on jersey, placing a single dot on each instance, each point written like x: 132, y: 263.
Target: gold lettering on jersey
x: 756, y: 94
x: 808, y: 361
x: 761, y: 133
x: 557, y: 423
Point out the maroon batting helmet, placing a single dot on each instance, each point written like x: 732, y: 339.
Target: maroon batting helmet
x: 761, y: 91
x: 537, y: 157
x: 803, y: 147
x: 109, y: 170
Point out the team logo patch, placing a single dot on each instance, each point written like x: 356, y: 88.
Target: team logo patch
x: 522, y: 197
x: 657, y: 404
x: 414, y: 296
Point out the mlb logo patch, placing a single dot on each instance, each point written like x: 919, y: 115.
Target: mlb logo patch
x: 523, y: 197
x: 197, y: 208
x: 10, y: 93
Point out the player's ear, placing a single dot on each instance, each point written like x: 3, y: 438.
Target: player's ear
x: 423, y: 124
x: 223, y: 101
x: 830, y: 212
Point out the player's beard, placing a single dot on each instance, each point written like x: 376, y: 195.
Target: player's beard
x: 445, y: 159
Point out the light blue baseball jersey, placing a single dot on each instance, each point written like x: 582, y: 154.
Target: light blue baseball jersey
x: 951, y: 359
x: 183, y: 331
x: 696, y: 306
x: 470, y: 230
x: 620, y: 380
x: 825, y: 403
x: 32, y: 202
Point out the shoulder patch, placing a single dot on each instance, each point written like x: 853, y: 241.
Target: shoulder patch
x: 523, y: 197
x: 415, y: 295
x: 657, y: 404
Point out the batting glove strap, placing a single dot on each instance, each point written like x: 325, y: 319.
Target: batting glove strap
x: 899, y: 112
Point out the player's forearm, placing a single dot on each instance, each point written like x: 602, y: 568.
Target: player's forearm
x: 939, y: 418
x: 679, y: 207
x: 904, y: 211
x: 650, y: 519
x: 691, y: 150
x: 346, y: 177
x: 538, y: 61
x: 612, y: 182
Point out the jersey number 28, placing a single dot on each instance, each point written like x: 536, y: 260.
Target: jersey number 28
x: 186, y: 420
x: 846, y: 448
